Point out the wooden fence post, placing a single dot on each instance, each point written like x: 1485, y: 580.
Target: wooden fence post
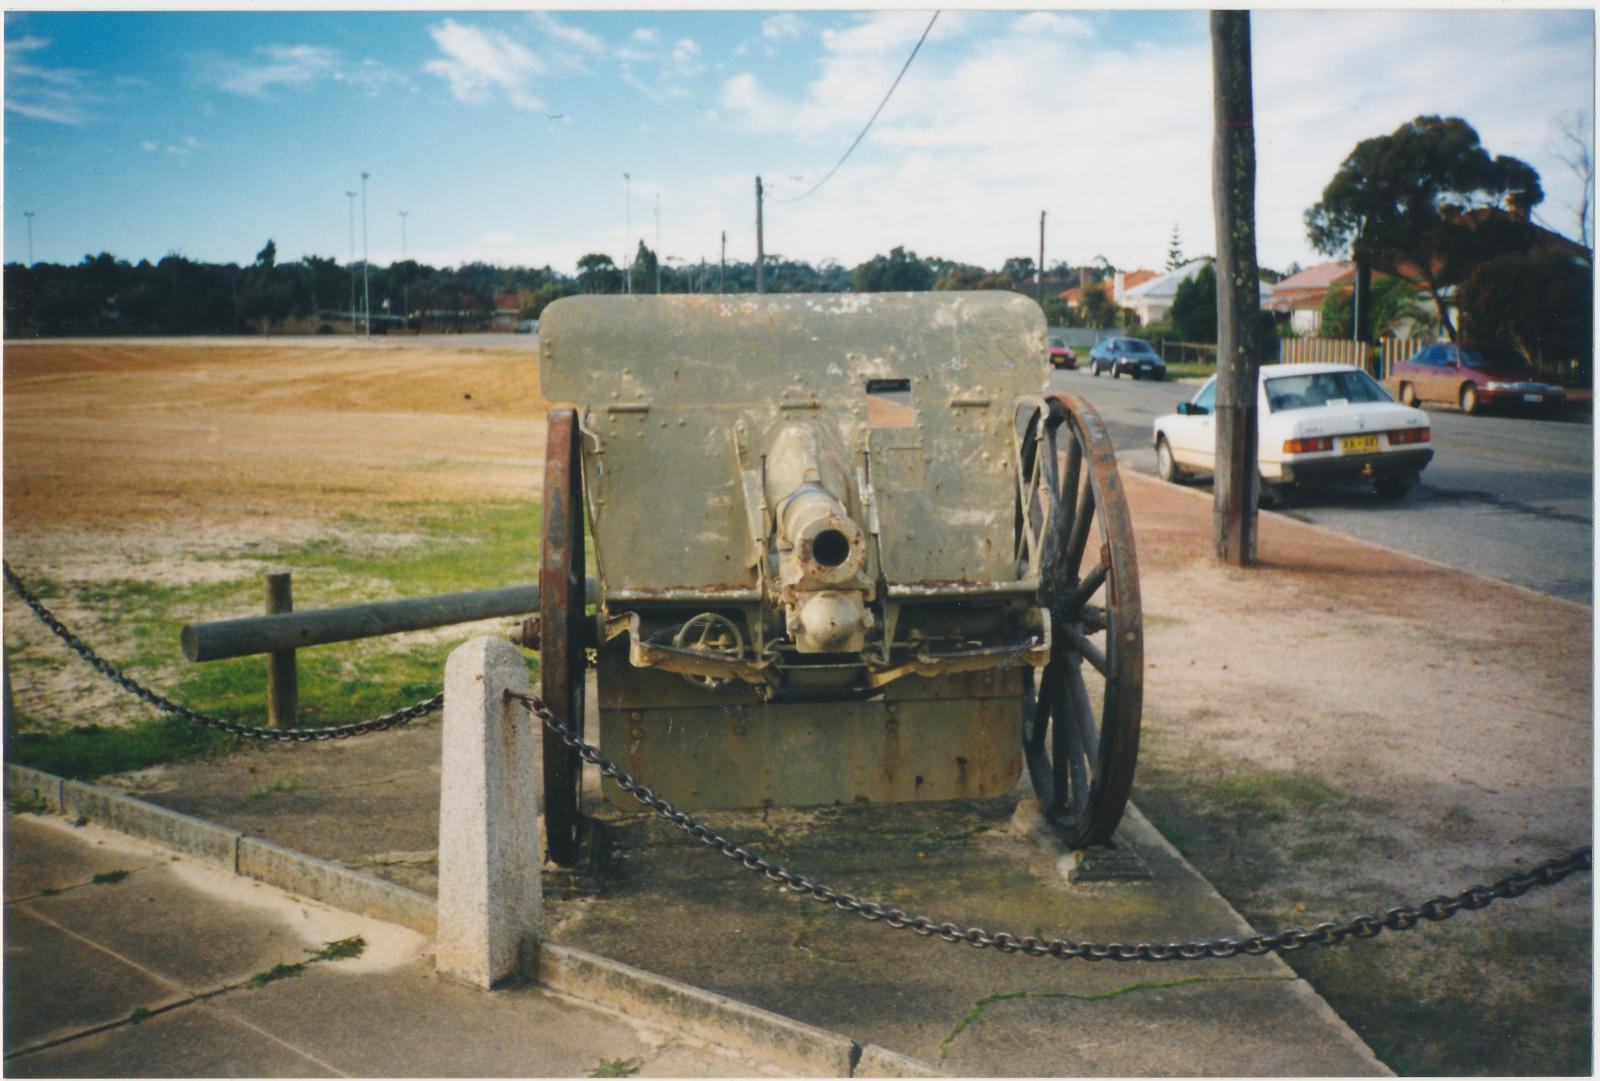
x: 283, y: 685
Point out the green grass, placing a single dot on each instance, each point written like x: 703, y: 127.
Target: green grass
x: 1187, y: 369
x: 443, y: 548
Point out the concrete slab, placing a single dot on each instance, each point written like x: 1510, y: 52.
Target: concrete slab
x: 412, y: 1022
x: 52, y: 861
x: 57, y: 984
x: 191, y: 1041
x: 671, y: 906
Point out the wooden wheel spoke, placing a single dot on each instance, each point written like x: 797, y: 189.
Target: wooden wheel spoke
x: 1084, y: 648
x: 1069, y: 762
x: 1082, y: 519
x: 1086, y: 588
x: 1083, y: 712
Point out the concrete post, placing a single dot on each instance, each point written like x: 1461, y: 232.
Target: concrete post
x: 491, y: 910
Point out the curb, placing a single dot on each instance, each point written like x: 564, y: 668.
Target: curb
x: 704, y: 1015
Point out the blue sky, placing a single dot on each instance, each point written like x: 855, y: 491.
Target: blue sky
x: 505, y: 135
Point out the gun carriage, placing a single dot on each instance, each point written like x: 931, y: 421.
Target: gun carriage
x: 846, y: 547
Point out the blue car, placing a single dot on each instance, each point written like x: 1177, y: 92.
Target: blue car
x: 1127, y: 356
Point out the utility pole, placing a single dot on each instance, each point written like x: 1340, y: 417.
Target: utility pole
x: 658, y: 243
x: 627, y: 236
x: 366, y: 282
x: 405, y: 290
x: 722, y: 272
x: 1038, y: 277
x: 350, y: 197
x: 761, y: 255
x: 29, y: 215
x: 1233, y: 189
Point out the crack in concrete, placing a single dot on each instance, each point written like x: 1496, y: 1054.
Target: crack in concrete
x: 975, y: 1013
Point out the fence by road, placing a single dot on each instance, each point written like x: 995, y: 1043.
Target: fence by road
x: 1376, y: 359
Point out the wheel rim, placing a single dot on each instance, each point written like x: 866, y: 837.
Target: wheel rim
x: 1080, y: 758
x: 1469, y: 400
x: 561, y: 658
x: 1164, y: 460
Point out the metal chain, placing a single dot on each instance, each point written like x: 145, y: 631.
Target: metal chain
x: 205, y: 720
x: 1329, y: 933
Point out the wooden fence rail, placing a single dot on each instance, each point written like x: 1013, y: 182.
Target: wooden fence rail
x: 1375, y: 359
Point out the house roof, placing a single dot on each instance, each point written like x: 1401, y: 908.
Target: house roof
x: 1135, y: 278
x: 1165, y: 286
x: 1317, y: 277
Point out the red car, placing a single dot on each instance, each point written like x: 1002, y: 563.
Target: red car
x: 1473, y: 377
x: 1061, y: 354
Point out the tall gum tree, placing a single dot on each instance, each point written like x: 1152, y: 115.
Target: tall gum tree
x: 1397, y: 203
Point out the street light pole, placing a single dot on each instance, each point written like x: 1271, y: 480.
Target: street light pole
x: 761, y: 255
x: 350, y: 197
x: 366, y: 281
x: 658, y: 243
x: 627, y: 236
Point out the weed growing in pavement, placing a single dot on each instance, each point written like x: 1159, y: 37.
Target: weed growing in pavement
x: 342, y: 950
x: 279, y: 786
x: 276, y: 973
x: 110, y: 878
x: 616, y: 1067
x: 28, y: 805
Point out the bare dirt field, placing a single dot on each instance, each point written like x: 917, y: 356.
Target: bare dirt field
x: 126, y: 434
x: 1342, y: 727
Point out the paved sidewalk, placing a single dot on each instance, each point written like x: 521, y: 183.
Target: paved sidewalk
x: 122, y: 959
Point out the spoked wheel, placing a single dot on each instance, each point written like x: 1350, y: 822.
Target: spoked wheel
x: 1080, y: 720
x: 561, y: 660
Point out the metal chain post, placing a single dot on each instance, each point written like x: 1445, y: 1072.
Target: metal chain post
x: 204, y: 720
x: 1328, y: 933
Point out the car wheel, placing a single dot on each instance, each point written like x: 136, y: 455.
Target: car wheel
x: 1469, y: 399
x: 1116, y: 372
x: 1394, y: 487
x: 1166, y: 468
x: 1094, y: 368
x: 1408, y: 396
x: 1267, y: 495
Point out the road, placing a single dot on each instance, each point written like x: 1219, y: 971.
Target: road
x: 1506, y: 497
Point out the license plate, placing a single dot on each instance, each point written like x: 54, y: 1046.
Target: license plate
x: 1533, y: 397
x: 1359, y: 444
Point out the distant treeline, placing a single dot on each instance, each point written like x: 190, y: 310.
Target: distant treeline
x: 106, y: 295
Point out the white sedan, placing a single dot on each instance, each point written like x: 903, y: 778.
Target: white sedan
x: 1316, y: 424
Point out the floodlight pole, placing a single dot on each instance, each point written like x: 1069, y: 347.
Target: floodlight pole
x: 405, y: 290
x: 350, y: 197
x: 658, y: 243
x: 366, y: 282
x: 1233, y: 186
x: 627, y: 237
x: 1038, y: 277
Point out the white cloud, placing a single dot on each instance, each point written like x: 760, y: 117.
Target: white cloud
x: 479, y: 64
x: 280, y: 65
x: 781, y: 27
x: 976, y: 141
x: 658, y: 72
x: 39, y: 92
x: 567, y: 34
x: 149, y: 146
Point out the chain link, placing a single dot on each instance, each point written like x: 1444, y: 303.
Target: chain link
x: 1401, y: 918
x: 205, y: 720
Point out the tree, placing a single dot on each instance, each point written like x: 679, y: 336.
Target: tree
x: 1397, y: 204
x: 1194, y: 307
x: 1540, y: 304
x: 898, y: 271
x: 267, y: 257
x: 1099, y: 310
x: 1396, y: 312
x: 643, y: 272
x: 1573, y: 146
x: 1175, y: 251
x: 1019, y: 268
x: 1058, y: 313
x: 598, y: 274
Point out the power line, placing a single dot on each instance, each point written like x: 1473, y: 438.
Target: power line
x: 875, y: 113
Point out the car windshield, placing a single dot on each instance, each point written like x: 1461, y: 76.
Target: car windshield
x: 1057, y: 343
x: 1135, y: 345
x: 1501, y: 360
x: 1287, y: 392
